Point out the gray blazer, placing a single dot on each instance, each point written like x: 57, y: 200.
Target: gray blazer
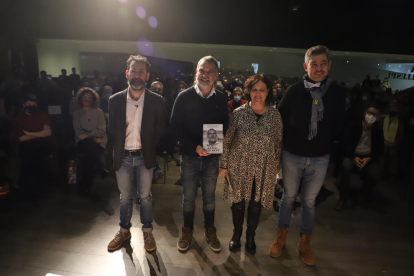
x: 152, y: 127
x: 95, y: 127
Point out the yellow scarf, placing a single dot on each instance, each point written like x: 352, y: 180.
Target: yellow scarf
x: 390, y: 130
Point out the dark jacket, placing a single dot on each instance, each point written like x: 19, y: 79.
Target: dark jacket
x: 296, y: 110
x: 189, y: 114
x: 152, y: 128
x: 353, y: 134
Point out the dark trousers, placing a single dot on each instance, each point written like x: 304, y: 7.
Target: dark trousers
x: 88, y: 153
x: 253, y: 212
x: 369, y: 175
x: 34, y: 155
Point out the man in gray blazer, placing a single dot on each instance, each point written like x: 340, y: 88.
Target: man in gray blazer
x: 137, y: 120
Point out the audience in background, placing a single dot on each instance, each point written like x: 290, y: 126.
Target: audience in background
x: 90, y: 135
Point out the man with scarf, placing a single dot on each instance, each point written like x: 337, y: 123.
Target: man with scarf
x: 312, y: 112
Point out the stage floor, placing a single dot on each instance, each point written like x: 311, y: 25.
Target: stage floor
x: 68, y: 235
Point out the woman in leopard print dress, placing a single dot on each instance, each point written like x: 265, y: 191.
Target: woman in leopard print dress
x: 251, y: 158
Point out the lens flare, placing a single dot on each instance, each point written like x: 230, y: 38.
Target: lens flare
x: 152, y: 21
x: 144, y: 46
x: 141, y: 12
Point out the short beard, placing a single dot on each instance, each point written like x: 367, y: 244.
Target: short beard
x: 137, y: 84
x: 203, y: 84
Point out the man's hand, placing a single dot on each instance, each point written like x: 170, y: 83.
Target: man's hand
x: 223, y: 173
x: 97, y: 140
x: 46, y: 127
x: 365, y: 161
x: 83, y: 136
x: 201, y: 151
x: 358, y: 162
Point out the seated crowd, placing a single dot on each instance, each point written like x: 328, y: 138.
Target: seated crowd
x: 379, y: 124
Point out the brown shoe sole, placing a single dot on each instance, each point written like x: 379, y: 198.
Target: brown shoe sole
x: 184, y: 249
x: 150, y: 249
x: 214, y: 249
x: 115, y: 248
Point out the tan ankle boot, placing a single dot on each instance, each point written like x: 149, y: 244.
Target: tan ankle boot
x: 275, y: 249
x: 304, y: 249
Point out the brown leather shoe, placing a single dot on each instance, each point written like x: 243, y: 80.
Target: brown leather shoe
x: 212, y: 240
x: 275, y: 249
x: 149, y: 241
x: 120, y: 237
x: 305, y: 251
x: 185, y: 239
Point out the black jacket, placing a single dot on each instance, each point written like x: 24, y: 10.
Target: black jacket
x: 353, y: 134
x: 296, y: 110
x: 190, y: 112
x: 152, y: 127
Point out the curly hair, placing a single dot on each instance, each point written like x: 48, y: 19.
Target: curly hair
x: 85, y: 90
x: 252, y: 80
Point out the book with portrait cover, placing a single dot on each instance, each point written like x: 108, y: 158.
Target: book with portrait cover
x: 213, y: 138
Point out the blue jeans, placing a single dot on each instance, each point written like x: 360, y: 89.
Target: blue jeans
x: 307, y: 173
x: 196, y: 170
x: 124, y: 177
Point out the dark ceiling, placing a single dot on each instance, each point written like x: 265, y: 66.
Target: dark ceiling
x: 380, y: 26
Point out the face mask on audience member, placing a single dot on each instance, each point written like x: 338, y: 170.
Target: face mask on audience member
x: 179, y: 90
x: 30, y: 109
x: 96, y: 88
x: 369, y: 118
x: 279, y: 90
x: 85, y: 84
x: 106, y: 97
x: 393, y: 113
x: 237, y: 98
x: 87, y: 103
x: 364, y: 98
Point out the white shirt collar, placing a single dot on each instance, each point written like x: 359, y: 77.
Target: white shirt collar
x: 140, y: 100
x: 212, y: 92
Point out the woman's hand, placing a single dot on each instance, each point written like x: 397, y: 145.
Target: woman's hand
x: 223, y: 173
x: 97, y: 140
x: 83, y: 136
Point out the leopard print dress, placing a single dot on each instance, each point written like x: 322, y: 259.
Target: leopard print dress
x: 251, y: 151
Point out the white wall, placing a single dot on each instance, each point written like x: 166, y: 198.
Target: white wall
x: 348, y: 67
x: 53, y: 55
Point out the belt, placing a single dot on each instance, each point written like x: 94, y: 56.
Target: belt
x: 136, y: 152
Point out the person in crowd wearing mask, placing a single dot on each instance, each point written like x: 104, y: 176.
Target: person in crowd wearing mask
x: 137, y: 120
x: 157, y: 87
x: 194, y: 107
x: 104, y: 101
x: 393, y: 130
x: 90, y: 136
x: 237, y: 100
x: 385, y: 84
x: 180, y: 86
x: 313, y: 112
x: 361, y: 146
x: 95, y: 86
x: 33, y: 130
x: 251, y: 159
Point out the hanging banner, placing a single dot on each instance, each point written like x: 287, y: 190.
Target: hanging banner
x: 400, y: 76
